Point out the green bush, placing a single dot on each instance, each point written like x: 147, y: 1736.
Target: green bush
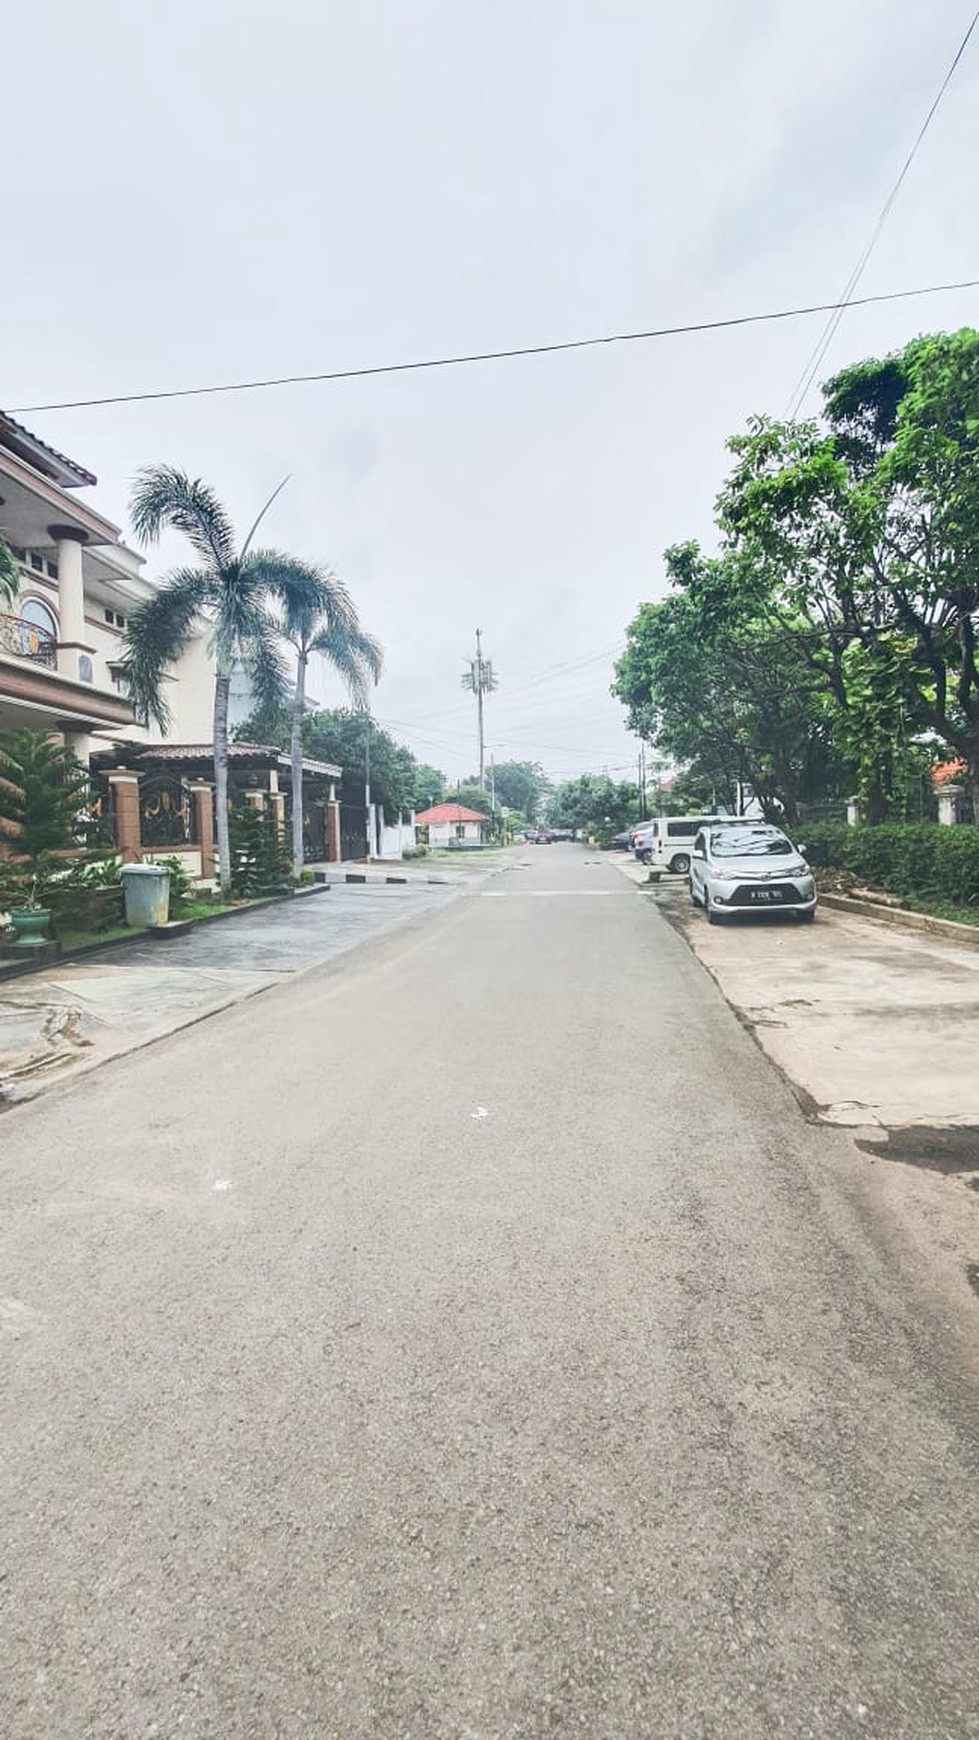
x: 916, y: 861
x: 181, y: 886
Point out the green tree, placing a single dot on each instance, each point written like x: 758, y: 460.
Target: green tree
x: 319, y: 617
x: 227, y: 595
x: 520, y: 785
x: 711, y: 680
x: 44, y: 797
x: 429, y: 786
x: 867, y: 530
x: 594, y: 801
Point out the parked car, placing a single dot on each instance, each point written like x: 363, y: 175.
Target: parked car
x: 620, y: 842
x: 669, y: 841
x: 640, y: 837
x: 749, y: 867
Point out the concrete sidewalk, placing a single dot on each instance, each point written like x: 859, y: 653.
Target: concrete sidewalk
x: 873, y: 1025
x: 78, y: 1014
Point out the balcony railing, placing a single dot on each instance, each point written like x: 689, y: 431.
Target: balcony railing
x: 26, y: 640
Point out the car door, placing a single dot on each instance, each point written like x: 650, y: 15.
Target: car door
x: 698, y: 865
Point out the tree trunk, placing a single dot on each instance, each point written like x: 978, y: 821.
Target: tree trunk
x: 298, y: 709
x: 222, y: 685
x: 972, y: 781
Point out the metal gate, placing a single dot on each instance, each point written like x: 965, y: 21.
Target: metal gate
x: 353, y: 831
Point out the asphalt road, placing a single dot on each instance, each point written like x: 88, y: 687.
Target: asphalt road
x: 334, y: 1407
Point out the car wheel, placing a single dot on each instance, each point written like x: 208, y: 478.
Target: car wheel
x: 681, y: 863
x: 693, y: 897
x: 645, y: 857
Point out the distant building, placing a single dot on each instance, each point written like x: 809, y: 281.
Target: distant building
x: 452, y: 826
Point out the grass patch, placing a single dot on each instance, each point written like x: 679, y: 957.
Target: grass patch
x: 81, y: 939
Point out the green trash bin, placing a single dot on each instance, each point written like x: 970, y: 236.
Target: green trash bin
x: 146, y: 891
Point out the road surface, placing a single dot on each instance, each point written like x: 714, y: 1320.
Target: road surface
x: 471, y: 1341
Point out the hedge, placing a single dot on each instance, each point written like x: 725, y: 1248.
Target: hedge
x: 914, y: 860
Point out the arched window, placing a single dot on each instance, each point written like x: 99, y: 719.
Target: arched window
x: 35, y: 611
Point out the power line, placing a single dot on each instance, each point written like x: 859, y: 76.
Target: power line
x: 823, y: 343
x: 442, y: 362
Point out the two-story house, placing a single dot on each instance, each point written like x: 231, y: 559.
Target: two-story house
x: 61, y: 641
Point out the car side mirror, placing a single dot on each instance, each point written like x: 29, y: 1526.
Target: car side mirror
x: 800, y: 848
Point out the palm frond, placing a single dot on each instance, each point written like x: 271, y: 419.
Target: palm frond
x: 163, y: 495
x: 356, y: 657
x: 262, y: 659
x: 157, y: 633
x: 305, y: 597
x: 9, y: 574
x: 246, y: 546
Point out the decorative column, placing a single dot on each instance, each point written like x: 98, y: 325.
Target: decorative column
x: 277, y: 804
x: 75, y: 649
x: 125, y: 813
x: 948, y: 805
x: 853, y: 812
x: 202, y: 798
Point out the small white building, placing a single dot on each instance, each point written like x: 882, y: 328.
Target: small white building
x: 453, y: 826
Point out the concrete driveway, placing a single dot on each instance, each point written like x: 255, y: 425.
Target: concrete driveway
x: 80, y: 1013
x: 874, y: 1026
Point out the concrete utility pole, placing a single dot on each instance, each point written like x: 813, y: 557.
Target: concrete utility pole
x: 481, y: 680
x: 367, y: 791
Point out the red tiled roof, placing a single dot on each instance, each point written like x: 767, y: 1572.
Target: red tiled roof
x: 450, y: 813
x: 946, y: 771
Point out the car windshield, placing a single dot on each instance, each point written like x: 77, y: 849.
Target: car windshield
x: 748, y: 843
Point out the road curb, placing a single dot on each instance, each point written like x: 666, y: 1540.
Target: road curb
x: 948, y: 928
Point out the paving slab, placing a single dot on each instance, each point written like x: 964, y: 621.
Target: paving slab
x: 873, y: 1025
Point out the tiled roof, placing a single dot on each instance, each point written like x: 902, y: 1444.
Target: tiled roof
x: 239, y: 754
x: 450, y: 813
x: 30, y: 447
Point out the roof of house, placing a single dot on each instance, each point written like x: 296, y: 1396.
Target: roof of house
x: 450, y: 813
x: 946, y: 771
x: 239, y: 754
x: 47, y: 459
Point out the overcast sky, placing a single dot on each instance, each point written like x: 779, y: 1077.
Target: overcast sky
x: 222, y: 189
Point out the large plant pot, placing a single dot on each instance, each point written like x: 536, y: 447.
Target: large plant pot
x: 31, y: 924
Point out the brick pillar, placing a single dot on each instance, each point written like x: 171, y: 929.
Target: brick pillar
x: 256, y: 799
x: 202, y: 798
x: 277, y: 804
x: 125, y: 818
x: 331, y: 818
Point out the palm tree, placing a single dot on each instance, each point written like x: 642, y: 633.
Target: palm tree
x: 227, y: 594
x: 317, y: 615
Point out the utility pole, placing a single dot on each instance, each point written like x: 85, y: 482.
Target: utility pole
x: 367, y: 789
x: 481, y: 680
x: 479, y: 702
x: 642, y: 782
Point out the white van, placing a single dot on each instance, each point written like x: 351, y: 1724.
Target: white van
x: 667, y: 846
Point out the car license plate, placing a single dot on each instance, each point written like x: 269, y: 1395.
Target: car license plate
x: 766, y: 894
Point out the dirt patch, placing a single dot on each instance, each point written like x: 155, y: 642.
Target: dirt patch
x: 972, y: 1276
x: 932, y: 1148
